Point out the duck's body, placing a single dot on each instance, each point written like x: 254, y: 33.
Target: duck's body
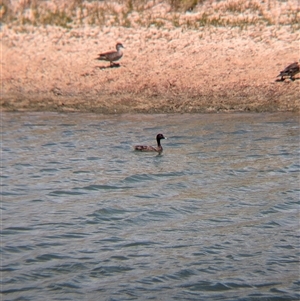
x: 112, y: 56
x: 148, y: 148
x: 291, y: 70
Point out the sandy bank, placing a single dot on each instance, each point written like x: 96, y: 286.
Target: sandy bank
x: 163, y: 70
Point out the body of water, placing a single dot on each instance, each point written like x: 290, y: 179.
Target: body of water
x: 215, y: 217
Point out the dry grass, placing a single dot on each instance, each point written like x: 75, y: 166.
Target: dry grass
x: 145, y: 13
x: 48, y: 51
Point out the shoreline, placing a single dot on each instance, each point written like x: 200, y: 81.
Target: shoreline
x: 121, y: 103
x: 161, y: 71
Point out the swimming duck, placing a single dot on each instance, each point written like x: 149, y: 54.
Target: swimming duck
x: 111, y: 56
x: 291, y: 70
x: 147, y: 148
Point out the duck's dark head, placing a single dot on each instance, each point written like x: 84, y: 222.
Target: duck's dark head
x: 159, y: 137
x: 119, y: 46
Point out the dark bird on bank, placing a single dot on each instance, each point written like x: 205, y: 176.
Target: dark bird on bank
x: 147, y: 148
x: 112, y: 56
x: 291, y: 70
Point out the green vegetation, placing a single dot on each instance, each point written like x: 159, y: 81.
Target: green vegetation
x: 190, y: 14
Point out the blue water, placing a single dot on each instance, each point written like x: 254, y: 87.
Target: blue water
x: 215, y: 217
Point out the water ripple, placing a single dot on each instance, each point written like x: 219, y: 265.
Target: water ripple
x: 215, y: 217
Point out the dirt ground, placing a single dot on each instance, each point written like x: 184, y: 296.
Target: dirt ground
x: 162, y: 70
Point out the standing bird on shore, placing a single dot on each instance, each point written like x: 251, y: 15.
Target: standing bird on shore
x: 291, y: 70
x: 147, y: 148
x: 112, y: 56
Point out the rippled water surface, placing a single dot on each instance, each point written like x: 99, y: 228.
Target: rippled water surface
x: 215, y: 217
